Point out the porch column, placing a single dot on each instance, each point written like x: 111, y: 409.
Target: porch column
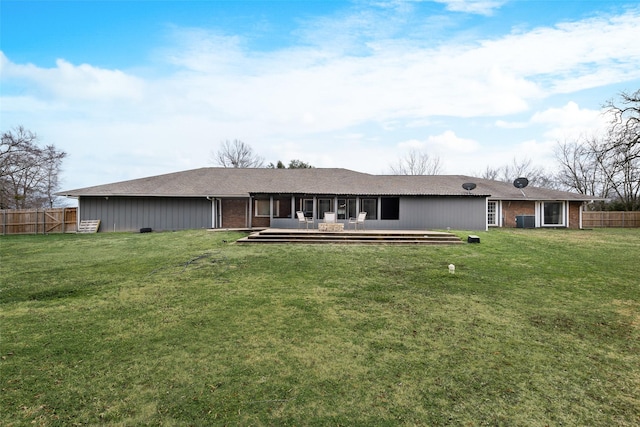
x: 293, y: 207
x: 270, y: 210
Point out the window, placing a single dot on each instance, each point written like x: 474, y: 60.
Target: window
x: 346, y: 208
x: 324, y: 205
x: 263, y: 207
x: 370, y: 206
x: 553, y: 213
x: 492, y: 213
x: 307, y: 207
x: 389, y: 208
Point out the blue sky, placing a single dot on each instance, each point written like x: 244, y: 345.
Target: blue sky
x: 137, y: 88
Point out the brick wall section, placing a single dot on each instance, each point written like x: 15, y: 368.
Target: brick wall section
x: 574, y: 214
x: 261, y: 221
x: 513, y: 208
x: 234, y: 213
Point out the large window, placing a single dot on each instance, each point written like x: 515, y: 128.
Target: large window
x: 389, y: 208
x: 370, y: 206
x: 553, y: 213
x: 263, y: 207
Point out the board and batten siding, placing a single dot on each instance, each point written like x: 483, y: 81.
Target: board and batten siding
x: 157, y: 213
x: 460, y: 213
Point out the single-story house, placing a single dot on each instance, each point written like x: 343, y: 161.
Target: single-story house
x: 257, y: 198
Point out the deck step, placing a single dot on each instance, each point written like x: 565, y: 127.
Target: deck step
x: 354, y: 237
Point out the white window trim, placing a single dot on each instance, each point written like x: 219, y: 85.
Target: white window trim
x: 276, y: 205
x: 540, y: 213
x: 498, y: 213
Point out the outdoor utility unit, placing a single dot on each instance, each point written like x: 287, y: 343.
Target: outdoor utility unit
x: 525, y: 221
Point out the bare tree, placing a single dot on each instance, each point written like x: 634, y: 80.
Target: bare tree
x: 417, y: 163
x: 536, y: 175
x: 580, y: 169
x: 619, y: 154
x: 28, y: 173
x: 625, y: 124
x: 607, y: 166
x: 237, y: 154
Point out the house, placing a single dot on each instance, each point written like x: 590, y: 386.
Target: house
x: 257, y: 198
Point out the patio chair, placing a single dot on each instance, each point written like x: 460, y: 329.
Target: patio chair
x: 359, y: 220
x: 330, y: 217
x: 304, y: 220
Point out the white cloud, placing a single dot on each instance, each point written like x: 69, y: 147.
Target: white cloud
x: 571, y: 56
x: 481, y: 7
x: 70, y: 82
x: 443, y: 143
x: 316, y: 101
x: 570, y: 122
x: 503, y: 124
x: 316, y: 89
x: 449, y: 141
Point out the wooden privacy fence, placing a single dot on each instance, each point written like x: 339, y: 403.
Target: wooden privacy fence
x: 38, y: 221
x: 612, y: 219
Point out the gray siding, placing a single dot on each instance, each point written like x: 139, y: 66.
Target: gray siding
x: 468, y: 213
x: 159, y: 213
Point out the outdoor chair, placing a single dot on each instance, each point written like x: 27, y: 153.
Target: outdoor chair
x: 330, y: 217
x: 358, y: 220
x: 304, y: 220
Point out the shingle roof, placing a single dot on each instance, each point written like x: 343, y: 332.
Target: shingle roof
x: 226, y: 182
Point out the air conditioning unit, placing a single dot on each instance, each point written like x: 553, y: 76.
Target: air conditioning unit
x: 525, y: 221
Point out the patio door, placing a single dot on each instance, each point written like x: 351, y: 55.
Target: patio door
x: 347, y: 208
x: 324, y: 205
x: 307, y: 207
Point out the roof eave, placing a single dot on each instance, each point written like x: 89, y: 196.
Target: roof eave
x: 153, y: 195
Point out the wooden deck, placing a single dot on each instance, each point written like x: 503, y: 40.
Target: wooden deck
x: 406, y: 237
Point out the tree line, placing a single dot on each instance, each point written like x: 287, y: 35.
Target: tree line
x: 605, y: 166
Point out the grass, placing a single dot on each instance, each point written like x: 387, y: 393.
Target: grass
x: 536, y: 328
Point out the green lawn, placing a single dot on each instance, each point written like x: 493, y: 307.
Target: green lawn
x: 536, y: 328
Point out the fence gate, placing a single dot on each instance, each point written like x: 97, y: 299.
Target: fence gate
x: 38, y: 221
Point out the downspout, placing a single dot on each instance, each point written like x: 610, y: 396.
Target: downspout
x: 582, y: 208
